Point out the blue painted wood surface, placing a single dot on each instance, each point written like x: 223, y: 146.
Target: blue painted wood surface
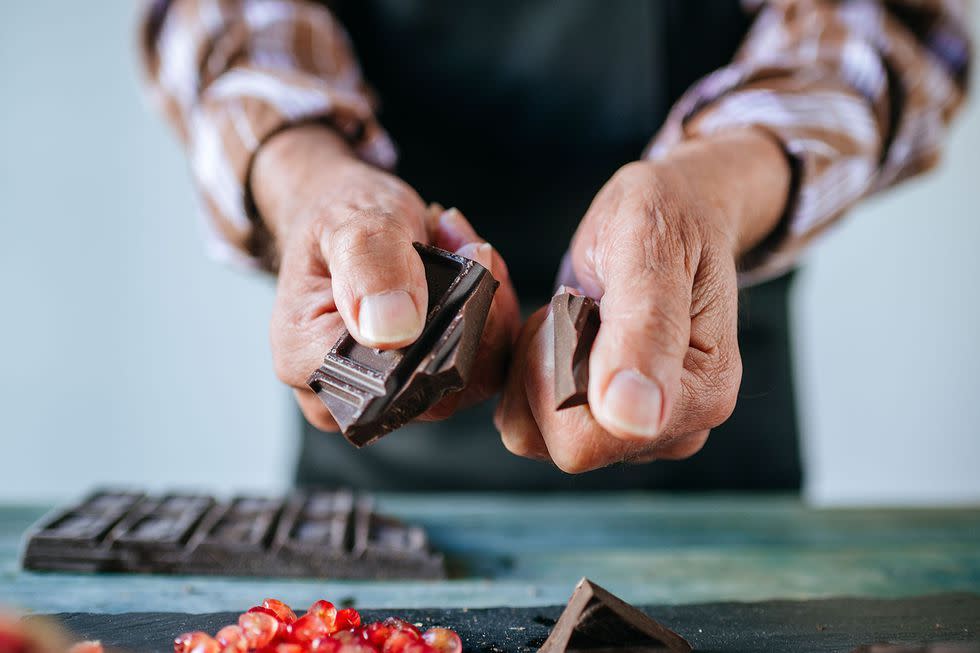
x: 529, y: 550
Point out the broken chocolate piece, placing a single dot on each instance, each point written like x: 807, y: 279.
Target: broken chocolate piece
x: 595, y: 620
x: 371, y: 392
x: 576, y: 323
x: 309, y: 534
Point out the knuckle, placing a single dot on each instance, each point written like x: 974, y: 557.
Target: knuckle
x: 727, y: 380
x: 282, y: 329
x: 712, y: 385
x: 319, y: 417
x: 515, y: 442
x: 685, y: 446
x: 574, y: 459
x: 365, y: 233
x: 634, y: 172
x: 643, y: 325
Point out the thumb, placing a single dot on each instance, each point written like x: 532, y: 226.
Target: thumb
x: 638, y: 356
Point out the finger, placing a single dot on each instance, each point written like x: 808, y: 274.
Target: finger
x: 638, y: 355
x: 450, y: 230
x: 513, y: 417
x: 314, y: 411
x: 378, y: 278
x: 503, y: 319
x: 682, y: 447
x: 304, y: 323
x: 712, y: 367
x: 496, y: 341
x: 574, y: 441
x: 501, y: 328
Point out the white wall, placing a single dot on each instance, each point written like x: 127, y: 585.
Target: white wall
x: 887, y: 322
x: 128, y: 357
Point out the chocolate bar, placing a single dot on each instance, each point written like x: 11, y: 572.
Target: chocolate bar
x: 595, y: 620
x: 576, y: 323
x: 371, y: 392
x: 315, y: 534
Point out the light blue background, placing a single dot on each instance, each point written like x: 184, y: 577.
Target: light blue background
x: 126, y: 356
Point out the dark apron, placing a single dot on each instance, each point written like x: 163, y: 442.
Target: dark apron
x: 517, y: 112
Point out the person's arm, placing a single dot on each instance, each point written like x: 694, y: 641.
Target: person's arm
x: 825, y: 103
x: 230, y: 75
x: 858, y: 93
x: 291, y: 164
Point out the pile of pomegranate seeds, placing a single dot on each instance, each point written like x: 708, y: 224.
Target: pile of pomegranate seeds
x: 273, y: 627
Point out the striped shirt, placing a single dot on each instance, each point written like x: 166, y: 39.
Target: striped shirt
x: 859, y: 93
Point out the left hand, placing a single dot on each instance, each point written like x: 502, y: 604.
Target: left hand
x: 659, y: 247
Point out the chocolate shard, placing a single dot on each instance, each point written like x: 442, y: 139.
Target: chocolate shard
x: 371, y: 392
x: 594, y: 620
x: 576, y: 323
x: 316, y: 534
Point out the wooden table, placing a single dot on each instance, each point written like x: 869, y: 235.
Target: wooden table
x: 515, y: 550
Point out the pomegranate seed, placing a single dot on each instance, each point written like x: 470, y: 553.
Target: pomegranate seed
x: 322, y: 608
x: 325, y: 645
x: 326, y: 611
x: 347, y: 618
x: 196, y: 642
x: 399, y: 641
x: 418, y: 647
x: 290, y: 648
x: 400, y: 624
x: 376, y: 633
x: 232, y: 639
x: 260, y: 629
x: 357, y: 647
x: 307, y: 628
x: 443, y: 640
x: 280, y: 610
x: 264, y: 610
x: 86, y: 647
x: 352, y: 642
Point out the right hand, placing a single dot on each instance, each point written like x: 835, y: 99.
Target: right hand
x: 344, y: 232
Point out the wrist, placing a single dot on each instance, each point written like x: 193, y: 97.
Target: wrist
x: 291, y: 165
x: 745, y: 176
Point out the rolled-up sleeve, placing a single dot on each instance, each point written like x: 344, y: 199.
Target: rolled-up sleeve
x: 858, y: 92
x: 229, y: 74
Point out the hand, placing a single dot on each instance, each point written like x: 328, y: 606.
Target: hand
x: 344, y: 232
x: 659, y: 247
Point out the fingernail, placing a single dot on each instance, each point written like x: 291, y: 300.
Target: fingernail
x: 482, y: 253
x: 633, y: 403
x: 450, y: 219
x: 389, y: 317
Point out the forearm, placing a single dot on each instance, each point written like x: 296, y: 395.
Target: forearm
x: 744, y: 173
x: 290, y: 163
x: 207, y: 64
x: 857, y: 96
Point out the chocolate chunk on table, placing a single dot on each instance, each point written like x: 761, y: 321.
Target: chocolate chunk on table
x: 314, y: 534
x: 595, y: 620
x: 576, y: 323
x: 371, y: 392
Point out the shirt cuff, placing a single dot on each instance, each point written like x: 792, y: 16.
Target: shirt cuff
x: 240, y: 111
x: 829, y: 133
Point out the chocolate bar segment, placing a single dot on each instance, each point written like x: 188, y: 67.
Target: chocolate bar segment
x: 371, y: 392
x: 309, y: 534
x: 576, y: 323
x: 79, y: 538
x: 595, y: 620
